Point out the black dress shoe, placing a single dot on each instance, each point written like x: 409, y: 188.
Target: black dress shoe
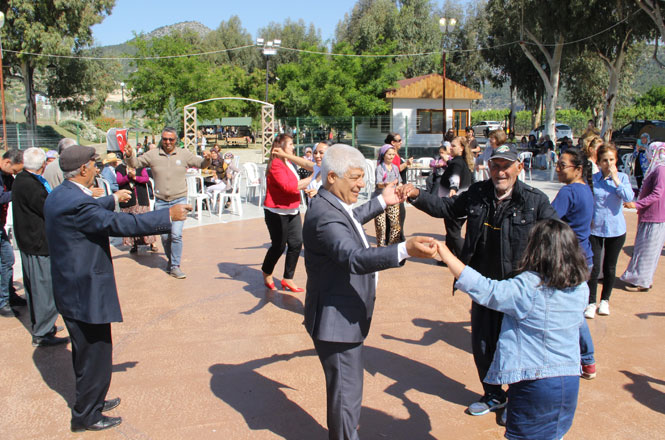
x: 17, y: 301
x: 7, y: 311
x: 48, y: 341
x: 110, y: 404
x: 104, y: 423
x: 56, y: 329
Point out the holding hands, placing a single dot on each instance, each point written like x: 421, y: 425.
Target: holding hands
x: 392, y: 195
x: 407, y: 191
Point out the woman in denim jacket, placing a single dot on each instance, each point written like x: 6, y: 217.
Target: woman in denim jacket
x: 538, y: 352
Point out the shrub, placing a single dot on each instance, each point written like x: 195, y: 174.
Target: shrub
x: 106, y: 122
x: 84, y: 129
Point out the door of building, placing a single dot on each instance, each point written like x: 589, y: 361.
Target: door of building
x: 460, y: 121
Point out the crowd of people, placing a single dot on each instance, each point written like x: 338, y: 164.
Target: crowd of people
x: 530, y: 266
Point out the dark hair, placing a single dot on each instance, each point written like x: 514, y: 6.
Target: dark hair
x: 391, y: 137
x: 607, y: 148
x: 554, y: 252
x: 170, y: 130
x: 15, y: 156
x: 578, y: 159
x: 280, y: 142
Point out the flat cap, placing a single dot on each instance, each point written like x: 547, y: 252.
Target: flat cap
x: 73, y: 157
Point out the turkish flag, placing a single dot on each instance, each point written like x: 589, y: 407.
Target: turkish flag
x: 121, y: 136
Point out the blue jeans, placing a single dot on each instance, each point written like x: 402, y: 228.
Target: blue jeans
x: 172, y: 242
x: 586, y: 345
x: 6, y: 267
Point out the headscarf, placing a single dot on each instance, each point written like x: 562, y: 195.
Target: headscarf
x: 656, y: 154
x: 639, y: 140
x: 382, y: 152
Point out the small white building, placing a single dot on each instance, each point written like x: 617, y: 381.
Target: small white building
x: 417, y: 111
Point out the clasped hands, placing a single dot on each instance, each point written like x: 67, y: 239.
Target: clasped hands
x: 427, y: 247
x: 394, y: 194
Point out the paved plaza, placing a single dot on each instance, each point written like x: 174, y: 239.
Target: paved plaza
x: 217, y: 356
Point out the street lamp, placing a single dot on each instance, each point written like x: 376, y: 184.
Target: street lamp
x: 446, y: 25
x: 122, y: 88
x: 269, y: 49
x: 2, y: 87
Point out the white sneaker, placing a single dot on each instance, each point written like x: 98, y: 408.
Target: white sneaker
x: 604, y: 308
x: 590, y: 311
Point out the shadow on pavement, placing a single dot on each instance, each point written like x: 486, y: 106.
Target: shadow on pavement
x: 644, y: 392
x: 456, y: 334
x: 254, y: 285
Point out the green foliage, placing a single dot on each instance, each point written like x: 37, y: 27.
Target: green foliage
x: 626, y: 114
x: 574, y: 118
x: 105, y: 122
x: 654, y: 97
x: 86, y: 130
x: 172, y: 117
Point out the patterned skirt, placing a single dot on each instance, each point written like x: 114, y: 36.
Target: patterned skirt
x: 146, y: 239
x: 648, y: 247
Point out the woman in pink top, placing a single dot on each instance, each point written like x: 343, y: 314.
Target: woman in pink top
x: 651, y: 226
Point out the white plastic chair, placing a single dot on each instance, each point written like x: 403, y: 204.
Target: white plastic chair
x: 253, y: 181
x: 526, y: 157
x: 370, y: 176
x: 195, y: 196
x: 627, y: 164
x: 552, y: 159
x: 9, y: 225
x: 107, y: 186
x: 220, y: 197
x: 151, y: 193
x: 421, y: 176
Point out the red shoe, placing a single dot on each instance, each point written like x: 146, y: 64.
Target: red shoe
x: 588, y: 371
x: 292, y: 289
x: 270, y: 286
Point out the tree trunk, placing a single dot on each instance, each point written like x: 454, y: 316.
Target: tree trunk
x: 537, y: 113
x: 614, y: 71
x: 27, y: 71
x: 513, y: 105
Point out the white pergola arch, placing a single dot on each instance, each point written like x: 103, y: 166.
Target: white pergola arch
x: 267, y: 122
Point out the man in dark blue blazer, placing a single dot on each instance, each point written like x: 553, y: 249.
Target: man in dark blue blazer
x: 77, y: 229
x: 342, y: 278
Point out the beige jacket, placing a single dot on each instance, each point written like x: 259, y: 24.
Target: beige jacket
x: 168, y: 170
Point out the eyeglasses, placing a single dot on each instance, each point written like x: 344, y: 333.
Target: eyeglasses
x: 397, y: 140
x: 168, y: 139
x: 563, y: 165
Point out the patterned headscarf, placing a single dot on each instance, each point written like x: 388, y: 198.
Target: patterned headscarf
x: 655, y: 154
x: 382, y: 152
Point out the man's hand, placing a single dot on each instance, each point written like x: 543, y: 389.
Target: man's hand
x: 278, y: 152
x: 98, y: 192
x: 390, y: 196
x: 421, y: 247
x: 179, y: 212
x: 408, y: 191
x: 129, y: 151
x: 123, y: 195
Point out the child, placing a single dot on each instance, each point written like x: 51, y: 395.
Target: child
x: 538, y: 352
x: 387, y: 172
x: 438, y: 166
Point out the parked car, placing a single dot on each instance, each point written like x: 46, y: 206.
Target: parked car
x: 562, y: 131
x: 629, y: 133
x: 483, y: 128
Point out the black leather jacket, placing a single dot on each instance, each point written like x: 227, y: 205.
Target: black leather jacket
x: 527, y: 206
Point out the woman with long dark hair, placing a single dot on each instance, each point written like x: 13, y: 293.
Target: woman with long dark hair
x: 282, y: 215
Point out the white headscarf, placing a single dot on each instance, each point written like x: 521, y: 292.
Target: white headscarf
x: 656, y: 156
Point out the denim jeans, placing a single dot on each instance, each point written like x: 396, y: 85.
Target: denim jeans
x: 586, y: 345
x: 6, y: 267
x: 172, y: 242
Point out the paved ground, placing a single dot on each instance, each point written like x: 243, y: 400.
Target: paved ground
x: 216, y: 356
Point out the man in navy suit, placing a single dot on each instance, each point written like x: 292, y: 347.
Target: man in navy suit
x: 342, y: 277
x: 77, y: 229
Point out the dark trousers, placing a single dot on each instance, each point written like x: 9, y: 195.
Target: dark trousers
x: 39, y: 293
x: 454, y: 239
x: 285, y: 230
x: 92, y: 357
x: 485, y: 328
x: 611, y: 246
x: 343, y: 367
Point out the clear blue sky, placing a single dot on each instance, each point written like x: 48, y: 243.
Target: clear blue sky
x: 146, y: 15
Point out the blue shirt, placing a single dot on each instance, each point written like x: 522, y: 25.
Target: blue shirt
x: 608, y: 219
x: 539, y: 335
x: 574, y: 205
x: 108, y: 173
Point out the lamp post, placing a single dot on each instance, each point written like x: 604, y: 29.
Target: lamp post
x: 2, y: 87
x: 122, y: 88
x: 269, y: 49
x: 446, y: 25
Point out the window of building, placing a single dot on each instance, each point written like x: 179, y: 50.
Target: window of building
x: 429, y: 121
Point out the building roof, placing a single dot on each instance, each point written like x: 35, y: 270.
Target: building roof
x: 431, y: 87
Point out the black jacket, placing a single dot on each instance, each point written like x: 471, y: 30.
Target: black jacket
x: 28, y: 197
x: 527, y: 206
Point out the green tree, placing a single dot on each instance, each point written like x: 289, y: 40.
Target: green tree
x: 654, y: 97
x: 172, y: 117
x: 655, y: 10
x: 45, y: 26
x: 229, y: 35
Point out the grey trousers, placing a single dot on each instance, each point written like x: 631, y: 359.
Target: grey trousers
x: 343, y: 367
x: 39, y: 293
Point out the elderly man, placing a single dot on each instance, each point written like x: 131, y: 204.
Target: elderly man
x: 78, y: 228
x: 53, y: 173
x: 342, y: 278
x: 168, y: 165
x: 10, y: 165
x: 29, y: 193
x: 500, y: 213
